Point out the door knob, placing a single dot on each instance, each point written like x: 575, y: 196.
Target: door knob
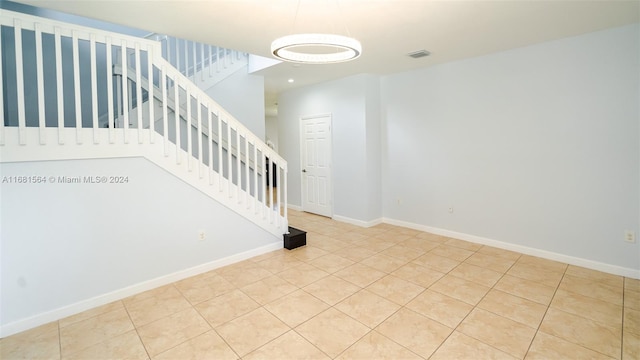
x: 304, y: 170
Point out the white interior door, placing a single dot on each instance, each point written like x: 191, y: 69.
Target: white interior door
x: 315, y: 144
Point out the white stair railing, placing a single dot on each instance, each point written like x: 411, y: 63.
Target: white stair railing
x: 204, y: 64
x: 197, y: 60
x: 55, y: 105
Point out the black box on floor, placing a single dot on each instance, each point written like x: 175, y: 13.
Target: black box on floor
x: 295, y: 238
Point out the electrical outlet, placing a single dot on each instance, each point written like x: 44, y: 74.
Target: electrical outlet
x: 630, y: 236
x: 451, y: 210
x: 202, y: 235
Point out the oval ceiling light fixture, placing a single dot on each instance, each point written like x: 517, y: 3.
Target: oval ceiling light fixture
x: 316, y: 48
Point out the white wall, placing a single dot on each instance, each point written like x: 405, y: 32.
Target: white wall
x: 242, y: 95
x: 537, y: 146
x: 373, y: 180
x: 271, y: 130
x: 346, y: 101
x: 65, y: 247
x: 534, y: 148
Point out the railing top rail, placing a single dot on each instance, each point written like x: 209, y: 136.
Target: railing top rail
x: 183, y: 81
x: 46, y: 25
x: 155, y: 36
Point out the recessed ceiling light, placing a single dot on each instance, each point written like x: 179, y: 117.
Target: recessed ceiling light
x: 290, y: 80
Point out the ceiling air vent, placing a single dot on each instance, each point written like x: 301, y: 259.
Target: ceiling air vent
x: 418, y: 54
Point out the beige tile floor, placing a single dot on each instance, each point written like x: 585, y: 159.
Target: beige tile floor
x: 378, y: 293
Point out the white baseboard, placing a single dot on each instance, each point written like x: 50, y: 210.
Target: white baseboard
x: 344, y: 219
x: 589, y: 264
x: 60, y: 313
x: 357, y: 222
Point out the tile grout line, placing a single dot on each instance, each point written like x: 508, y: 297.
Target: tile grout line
x: 590, y: 319
x: 225, y: 341
x: 456, y: 327
x: 624, y: 283
x: 211, y: 326
x: 59, y: 339
x: 429, y: 288
x: 547, y: 309
x: 392, y: 314
x: 309, y: 341
x: 262, y: 306
x: 474, y: 307
x: 192, y: 307
x: 135, y: 328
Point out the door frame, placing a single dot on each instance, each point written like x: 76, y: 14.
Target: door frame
x: 330, y: 165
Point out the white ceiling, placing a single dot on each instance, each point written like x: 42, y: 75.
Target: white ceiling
x: 388, y: 29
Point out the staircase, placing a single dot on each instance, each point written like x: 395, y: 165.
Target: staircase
x: 72, y: 92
